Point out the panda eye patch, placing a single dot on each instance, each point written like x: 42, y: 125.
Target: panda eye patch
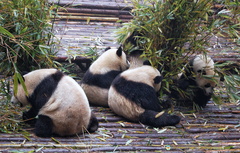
x: 199, y: 71
x: 204, y: 73
x: 207, y: 85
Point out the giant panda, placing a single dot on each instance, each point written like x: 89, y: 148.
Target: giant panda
x: 57, y: 101
x: 198, y: 80
x: 98, y: 78
x: 133, y: 95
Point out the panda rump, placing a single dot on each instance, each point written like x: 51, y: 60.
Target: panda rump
x: 59, y: 102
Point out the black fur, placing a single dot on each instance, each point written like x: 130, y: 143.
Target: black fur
x: 134, y: 40
x: 134, y: 37
x: 119, y: 51
x: 29, y: 116
x: 200, y: 98
x: 44, y: 126
x: 147, y: 62
x: 107, y: 48
x: 93, y: 124
x: 197, y: 95
x: 140, y: 93
x: 43, y: 92
x: 158, y: 79
x: 149, y: 118
x: 100, y: 80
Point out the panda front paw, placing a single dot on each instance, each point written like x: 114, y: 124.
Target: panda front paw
x: 25, y: 116
x: 28, y: 119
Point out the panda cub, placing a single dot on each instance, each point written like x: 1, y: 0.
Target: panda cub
x: 97, y: 80
x: 133, y: 95
x: 198, y: 80
x: 59, y: 103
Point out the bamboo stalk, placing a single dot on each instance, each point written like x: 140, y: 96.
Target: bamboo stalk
x: 95, y: 11
x: 102, y: 19
x: 103, y: 5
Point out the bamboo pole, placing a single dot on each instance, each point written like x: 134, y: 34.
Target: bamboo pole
x: 86, y: 18
x: 95, y: 11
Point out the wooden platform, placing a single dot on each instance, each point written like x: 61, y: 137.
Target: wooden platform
x: 214, y: 129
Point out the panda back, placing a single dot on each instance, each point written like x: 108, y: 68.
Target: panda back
x: 139, y: 93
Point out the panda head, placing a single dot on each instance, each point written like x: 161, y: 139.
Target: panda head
x: 203, y: 68
x: 31, y: 81
x: 111, y: 59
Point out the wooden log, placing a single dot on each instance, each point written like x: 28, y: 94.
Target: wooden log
x: 103, y: 6
x: 95, y: 11
x: 89, y: 18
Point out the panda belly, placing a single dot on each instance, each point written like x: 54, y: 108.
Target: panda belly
x: 96, y: 95
x: 69, y: 110
x: 123, y: 107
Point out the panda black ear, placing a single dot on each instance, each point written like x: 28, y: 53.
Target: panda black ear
x: 119, y: 51
x: 107, y: 48
x: 158, y: 79
x: 147, y: 62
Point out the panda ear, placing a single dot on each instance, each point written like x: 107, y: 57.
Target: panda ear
x: 158, y: 79
x: 107, y: 48
x: 119, y: 51
x: 147, y: 62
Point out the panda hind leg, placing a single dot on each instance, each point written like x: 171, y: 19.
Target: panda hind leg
x: 43, y: 126
x: 93, y: 123
x: 148, y: 117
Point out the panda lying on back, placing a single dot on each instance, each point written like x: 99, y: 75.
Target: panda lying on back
x: 133, y: 96
x: 97, y: 80
x: 198, y: 81
x: 59, y: 102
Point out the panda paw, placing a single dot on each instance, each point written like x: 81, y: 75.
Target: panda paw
x: 173, y: 120
x: 25, y: 116
x: 28, y: 119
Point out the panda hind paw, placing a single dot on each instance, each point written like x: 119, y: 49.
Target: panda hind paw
x: 43, y: 126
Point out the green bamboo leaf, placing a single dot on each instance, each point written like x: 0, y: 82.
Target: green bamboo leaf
x: 15, y: 84
x: 6, y: 32
x: 18, y: 78
x: 128, y: 142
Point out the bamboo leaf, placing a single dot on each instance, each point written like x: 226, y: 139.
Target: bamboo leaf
x: 6, y: 32
x: 55, y: 140
x: 20, y: 78
x: 128, y: 142
x: 159, y: 114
